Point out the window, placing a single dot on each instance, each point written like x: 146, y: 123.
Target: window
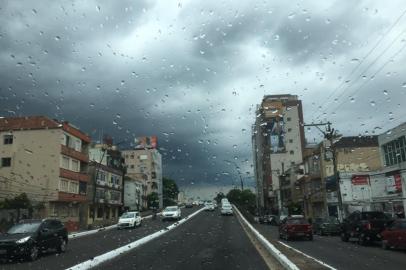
x: 73, y: 187
x: 291, y: 152
x: 395, y: 151
x: 132, y: 156
x: 290, y: 141
x: 100, y: 212
x: 101, y: 175
x: 75, y: 165
x: 132, y: 166
x: 82, y: 188
x: 288, y: 119
x: 143, y: 157
x: 6, y: 162
x: 64, y: 185
x: 65, y: 163
x: 289, y: 129
x: 78, y: 145
x: 8, y: 139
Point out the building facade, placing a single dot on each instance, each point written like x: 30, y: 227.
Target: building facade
x: 146, y: 165
x: 105, y: 190
x: 135, y: 192
x: 278, y: 143
x: 47, y: 160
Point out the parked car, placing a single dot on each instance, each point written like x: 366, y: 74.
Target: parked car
x: 263, y: 219
x: 171, y: 212
x: 295, y: 227
x: 330, y: 225
x: 273, y: 220
x: 209, y: 206
x: 394, y: 236
x: 365, y: 227
x: 28, y: 238
x: 129, y: 220
x: 226, y: 209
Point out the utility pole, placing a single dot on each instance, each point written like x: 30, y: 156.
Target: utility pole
x: 330, y: 134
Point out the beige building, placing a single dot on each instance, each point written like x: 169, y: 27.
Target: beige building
x: 354, y: 154
x: 47, y: 160
x: 146, y: 165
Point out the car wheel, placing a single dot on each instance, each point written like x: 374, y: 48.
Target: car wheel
x: 384, y: 244
x: 362, y: 240
x: 33, y: 255
x: 344, y: 237
x: 62, y: 246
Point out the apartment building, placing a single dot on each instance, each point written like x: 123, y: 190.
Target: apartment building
x: 48, y: 160
x: 146, y: 164
x: 135, y: 193
x: 278, y: 143
x: 105, y: 190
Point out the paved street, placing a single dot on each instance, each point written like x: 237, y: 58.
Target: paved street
x: 208, y: 241
x: 86, y: 247
x: 341, y: 255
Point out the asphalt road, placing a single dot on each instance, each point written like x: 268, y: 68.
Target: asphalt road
x: 342, y: 255
x: 87, y: 247
x: 207, y: 241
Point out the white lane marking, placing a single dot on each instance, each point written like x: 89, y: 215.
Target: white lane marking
x: 308, y: 256
x: 80, y: 234
x: 284, y: 261
x: 121, y: 250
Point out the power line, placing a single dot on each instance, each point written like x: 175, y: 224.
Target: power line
x: 365, y: 57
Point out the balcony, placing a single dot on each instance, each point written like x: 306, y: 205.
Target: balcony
x: 70, y: 197
x: 73, y: 175
x: 74, y: 154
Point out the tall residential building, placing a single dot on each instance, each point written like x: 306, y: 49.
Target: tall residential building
x: 145, y: 163
x: 48, y: 160
x: 105, y: 190
x: 278, y: 143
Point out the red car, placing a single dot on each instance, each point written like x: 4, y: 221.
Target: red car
x: 295, y: 227
x: 395, y: 235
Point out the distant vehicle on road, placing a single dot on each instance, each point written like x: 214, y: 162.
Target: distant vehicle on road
x: 394, y: 236
x: 201, y: 202
x: 129, y: 220
x: 189, y: 205
x: 365, y: 227
x: 295, y: 227
x: 330, y: 225
x: 28, y: 238
x: 209, y: 206
x: 226, y: 210
x: 171, y: 212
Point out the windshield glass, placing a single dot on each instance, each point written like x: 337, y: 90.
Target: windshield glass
x: 24, y: 228
x: 128, y: 215
x: 296, y: 221
x: 291, y: 109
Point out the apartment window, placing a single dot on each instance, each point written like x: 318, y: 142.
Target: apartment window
x: 290, y: 141
x: 288, y: 119
x: 100, y: 212
x: 395, y: 151
x: 6, y: 162
x: 289, y: 129
x: 143, y: 157
x: 8, y: 139
x: 100, y: 193
x: 82, y: 188
x: 101, y: 175
x: 65, y: 162
x: 132, y: 156
x: 64, y: 185
x: 78, y: 145
x: 291, y: 152
x: 115, y: 179
x: 75, y: 165
x: 132, y: 166
x: 73, y: 187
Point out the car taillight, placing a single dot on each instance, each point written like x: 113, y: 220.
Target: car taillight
x: 368, y: 226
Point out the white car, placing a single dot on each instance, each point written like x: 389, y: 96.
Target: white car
x: 209, y: 206
x: 129, y: 220
x: 171, y: 212
x: 226, y: 209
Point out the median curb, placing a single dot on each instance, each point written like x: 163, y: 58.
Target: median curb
x: 277, y: 254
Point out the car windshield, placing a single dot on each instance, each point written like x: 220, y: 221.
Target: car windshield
x: 24, y: 228
x: 333, y: 220
x: 180, y: 110
x: 128, y: 215
x: 373, y: 215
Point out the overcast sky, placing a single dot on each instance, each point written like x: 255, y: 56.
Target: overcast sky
x: 192, y: 72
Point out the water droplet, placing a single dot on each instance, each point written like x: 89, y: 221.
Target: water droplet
x: 98, y: 8
x: 404, y: 85
x: 34, y: 11
x: 92, y: 105
x: 122, y: 82
x: 114, y: 122
x: 292, y: 15
x: 354, y: 60
x: 372, y: 103
x: 98, y: 87
x: 201, y: 52
x: 118, y: 116
x: 352, y: 100
x: 57, y: 38
x: 276, y: 37
x: 385, y: 92
x: 83, y: 69
x: 234, y: 146
x: 327, y: 21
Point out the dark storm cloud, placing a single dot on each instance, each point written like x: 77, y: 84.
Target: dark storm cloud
x: 189, y: 72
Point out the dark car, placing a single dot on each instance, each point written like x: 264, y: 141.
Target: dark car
x: 295, y: 227
x: 189, y: 205
x: 28, y: 238
x: 394, y: 236
x: 365, y: 227
x: 326, y: 226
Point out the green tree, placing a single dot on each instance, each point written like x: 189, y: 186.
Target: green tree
x: 153, y: 200
x: 219, y: 196
x: 245, y: 199
x: 170, y: 191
